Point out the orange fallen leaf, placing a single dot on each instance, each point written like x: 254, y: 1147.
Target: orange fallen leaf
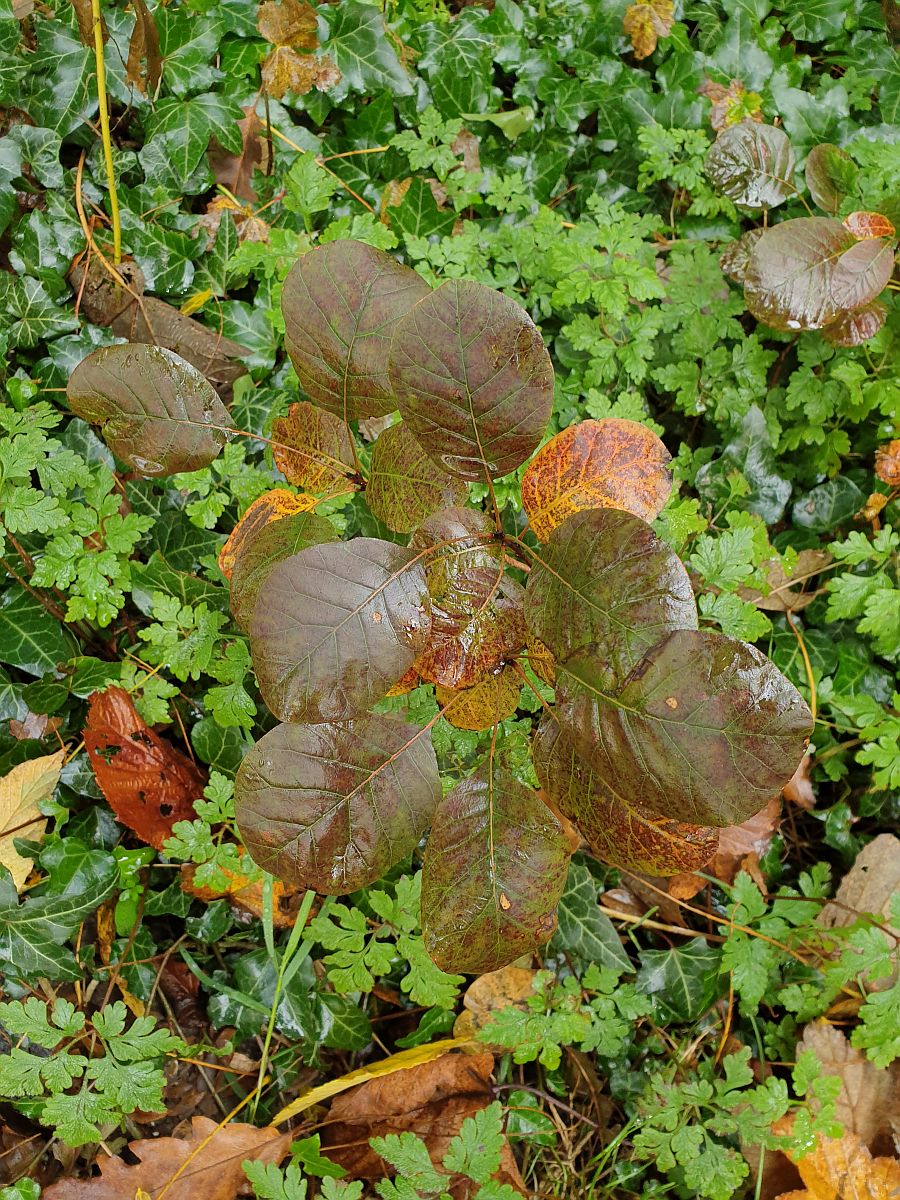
x: 246, y: 895
x: 887, y: 463
x: 284, y: 70
x: 271, y: 506
x: 509, y: 987
x: 864, y: 225
x: 645, y: 24
x: 842, y: 1169
x: 148, y: 784
x: 612, y: 463
x: 799, y: 789
x: 205, y: 1164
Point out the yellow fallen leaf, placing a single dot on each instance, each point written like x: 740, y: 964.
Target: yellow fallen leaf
x: 21, y: 792
x: 842, y: 1169
x: 646, y: 23
x: 195, y: 303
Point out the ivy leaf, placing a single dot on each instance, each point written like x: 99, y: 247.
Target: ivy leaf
x: 156, y: 412
x: 830, y: 175
x: 312, y: 449
x: 610, y: 463
x: 606, y: 580
x: 359, y: 44
x: 341, y: 303
x: 269, y: 546
x: 583, y: 930
x: 752, y: 164
x: 472, y: 379
x: 683, y: 981
x: 336, y: 626
x: 332, y: 807
x: 646, y: 22
x: 705, y: 729
x: 624, y: 833
x: 494, y: 870
x: 30, y: 638
x: 403, y: 487
x: 804, y: 272
x: 29, y: 314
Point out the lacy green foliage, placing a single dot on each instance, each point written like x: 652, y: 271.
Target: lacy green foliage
x: 71, y: 1089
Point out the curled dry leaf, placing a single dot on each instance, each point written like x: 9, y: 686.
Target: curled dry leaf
x: 85, y: 18
x: 246, y: 895
x: 841, y: 1169
x: 148, y: 784
x: 799, y: 790
x: 740, y: 849
x: 868, y: 1103
x: 646, y: 23
x: 887, y: 463
x: 271, y: 506
x: 786, y: 592
x: 611, y: 463
x: 22, y: 792
x: 210, y: 1155
x: 144, y: 65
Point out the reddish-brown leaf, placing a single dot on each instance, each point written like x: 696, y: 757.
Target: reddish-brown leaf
x: 799, y: 789
x: 235, y: 171
x: 887, y: 463
x: 312, y: 449
x: 246, y: 896
x: 740, y: 848
x: 611, y: 463
x: 148, y: 784
x: 865, y: 225
x: 271, y: 506
x: 841, y: 1169
x: 486, y: 703
x: 206, y: 1164
x: 144, y: 66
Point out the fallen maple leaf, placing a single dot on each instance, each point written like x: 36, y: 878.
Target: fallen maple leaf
x: 205, y: 1165
x: 645, y: 24
x: 148, y: 784
x: 21, y: 794
x: 867, y: 1102
x: 842, y: 1169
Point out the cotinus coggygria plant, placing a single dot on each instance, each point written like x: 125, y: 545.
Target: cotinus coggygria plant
x: 652, y: 734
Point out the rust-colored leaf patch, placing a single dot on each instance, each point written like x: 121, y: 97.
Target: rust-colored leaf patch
x: 887, y: 463
x: 312, y: 449
x: 645, y: 24
x: 842, y: 1169
x: 869, y: 225
x: 485, y: 704
x: 612, y: 463
x: 148, y: 784
x: 271, y: 506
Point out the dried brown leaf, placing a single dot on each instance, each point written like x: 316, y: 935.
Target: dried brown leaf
x: 785, y: 589
x: 799, y: 790
x: 887, y: 463
x: 868, y: 886
x: 510, y: 986
x: 22, y: 792
x: 288, y: 23
x: 869, y: 1096
x: 148, y: 784
x: 144, y: 66
x: 206, y: 1163
x: 284, y: 70
x: 235, y: 171
x: 646, y: 23
x: 842, y: 1169
x: 85, y: 18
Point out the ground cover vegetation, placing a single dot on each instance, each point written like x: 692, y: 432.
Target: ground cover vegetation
x: 450, y: 609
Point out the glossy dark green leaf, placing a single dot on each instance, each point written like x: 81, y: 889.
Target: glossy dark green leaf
x: 830, y: 176
x: 341, y: 303
x: 752, y: 164
x: 683, y: 981
x: 473, y: 379
x: 584, y: 932
x: 620, y: 830
x: 828, y: 505
x: 606, y: 580
x: 270, y: 545
x: 404, y: 485
x: 750, y: 452
x: 28, y: 313
x: 336, y: 626
x: 362, y: 49
x: 803, y: 272
x: 417, y: 214
x: 476, y: 609
x: 332, y: 807
x: 494, y: 870
x: 30, y: 638
x: 705, y: 729
x: 155, y: 411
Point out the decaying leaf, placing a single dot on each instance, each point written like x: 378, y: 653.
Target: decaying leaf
x: 799, y: 790
x: 787, y: 590
x: 611, y: 463
x: 540, y: 659
x: 271, y: 506
x: 646, y: 23
x: 867, y: 1104
x: 284, y: 71
x: 22, y: 792
x: 887, y: 463
x: 207, y: 1163
x: 148, y: 784
x: 486, y: 703
x: 246, y: 895
x: 144, y: 65
x: 235, y: 171
x: 842, y: 1169
x: 740, y: 849
x: 431, y: 1100
x: 869, y: 225
x: 490, y: 992
x: 288, y: 23
x: 312, y: 449
x: 868, y: 886
x: 730, y: 104
x: 85, y: 18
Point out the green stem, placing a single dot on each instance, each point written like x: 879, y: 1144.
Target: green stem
x: 105, y: 135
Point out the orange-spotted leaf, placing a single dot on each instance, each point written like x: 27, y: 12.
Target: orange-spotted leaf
x: 612, y: 463
x: 869, y: 225
x: 405, y: 486
x: 887, y: 463
x: 312, y: 449
x: 272, y: 506
x: 486, y: 704
x: 494, y: 870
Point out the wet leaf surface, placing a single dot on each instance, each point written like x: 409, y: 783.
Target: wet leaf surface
x: 404, y: 485
x: 753, y: 165
x: 472, y: 379
x: 336, y: 627
x: 313, y: 450
x: 830, y: 175
x: 486, y: 703
x: 341, y: 304
x: 153, y: 408
x: 271, y: 506
x: 332, y: 807
x: 22, y: 791
x: 494, y: 870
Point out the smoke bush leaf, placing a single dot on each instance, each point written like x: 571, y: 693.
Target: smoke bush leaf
x: 494, y: 870
x: 312, y: 449
x: 156, y: 412
x: 611, y: 463
x: 332, y: 807
x: 336, y: 626
x: 705, y: 729
x: 752, y: 164
x: 404, y: 487
x: 472, y: 379
x: 606, y: 580
x: 341, y: 303
x: 486, y: 703
x: 830, y: 175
